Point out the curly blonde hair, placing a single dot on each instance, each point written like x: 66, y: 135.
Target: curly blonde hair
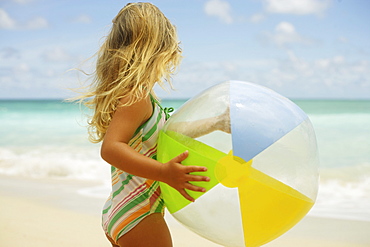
x: 140, y: 50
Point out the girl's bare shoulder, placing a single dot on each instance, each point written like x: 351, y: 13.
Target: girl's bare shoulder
x: 142, y: 108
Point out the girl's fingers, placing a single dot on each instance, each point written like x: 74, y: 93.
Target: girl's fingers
x: 190, y: 169
x: 186, y: 195
x: 181, y: 157
x: 189, y: 177
x: 194, y: 188
x: 197, y: 178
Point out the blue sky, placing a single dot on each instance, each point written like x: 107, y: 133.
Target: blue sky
x: 299, y: 48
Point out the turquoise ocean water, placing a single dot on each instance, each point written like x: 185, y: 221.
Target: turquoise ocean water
x: 47, y: 139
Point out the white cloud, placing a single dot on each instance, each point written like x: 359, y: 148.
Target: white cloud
x: 31, y: 72
x: 285, y: 27
x: 322, y: 63
x: 296, y: 7
x: 83, y: 18
x: 22, y: 68
x: 293, y: 76
x: 333, y: 77
x: 56, y: 54
x: 7, y: 53
x: 286, y: 34
x: 343, y: 39
x: 37, y: 23
x: 220, y: 9
x: 338, y: 59
x: 22, y: 1
x: 6, y: 22
x: 256, y: 18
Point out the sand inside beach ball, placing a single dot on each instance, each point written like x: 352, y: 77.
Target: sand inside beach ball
x: 264, y: 174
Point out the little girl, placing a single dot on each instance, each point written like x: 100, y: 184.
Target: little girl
x: 140, y: 51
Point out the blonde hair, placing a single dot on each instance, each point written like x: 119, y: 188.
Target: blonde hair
x: 140, y: 50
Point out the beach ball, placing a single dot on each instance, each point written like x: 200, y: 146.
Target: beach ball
x: 264, y: 174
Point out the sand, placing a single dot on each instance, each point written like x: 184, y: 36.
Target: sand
x: 40, y: 213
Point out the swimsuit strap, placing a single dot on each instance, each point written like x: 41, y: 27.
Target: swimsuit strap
x: 166, y: 110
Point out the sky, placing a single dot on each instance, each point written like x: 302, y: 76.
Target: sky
x: 302, y: 49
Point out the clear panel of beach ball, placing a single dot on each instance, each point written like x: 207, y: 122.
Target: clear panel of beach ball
x: 264, y: 175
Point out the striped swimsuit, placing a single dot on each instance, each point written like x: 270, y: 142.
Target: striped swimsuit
x: 132, y: 197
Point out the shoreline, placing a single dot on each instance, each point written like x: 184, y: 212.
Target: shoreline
x: 47, y: 212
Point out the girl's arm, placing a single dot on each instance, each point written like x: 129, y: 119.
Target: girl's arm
x: 203, y: 126
x: 116, y: 151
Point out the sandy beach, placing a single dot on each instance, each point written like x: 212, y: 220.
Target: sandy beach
x: 43, y: 212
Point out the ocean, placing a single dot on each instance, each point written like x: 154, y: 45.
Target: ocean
x: 48, y: 139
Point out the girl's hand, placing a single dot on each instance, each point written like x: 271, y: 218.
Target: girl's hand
x: 177, y: 175
x: 223, y: 121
